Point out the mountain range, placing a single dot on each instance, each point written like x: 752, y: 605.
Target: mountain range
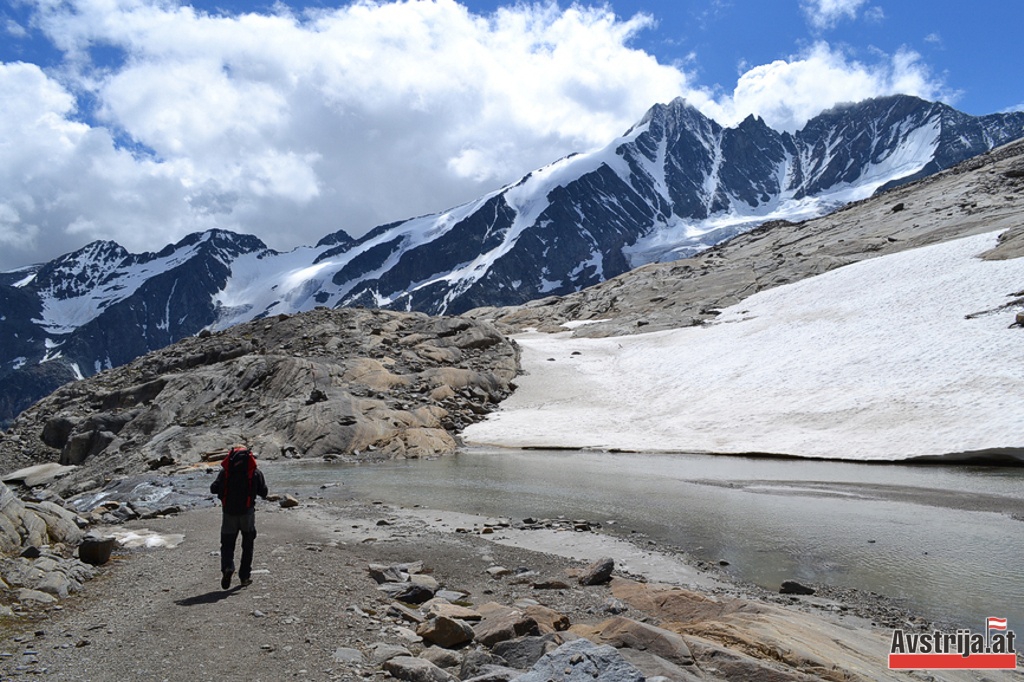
x: 673, y: 185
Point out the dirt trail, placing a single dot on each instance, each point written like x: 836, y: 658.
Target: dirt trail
x: 160, y: 614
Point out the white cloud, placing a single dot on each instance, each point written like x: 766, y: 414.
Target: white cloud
x: 825, y: 14
x: 290, y: 127
x: 786, y: 93
x: 14, y: 29
x: 346, y: 118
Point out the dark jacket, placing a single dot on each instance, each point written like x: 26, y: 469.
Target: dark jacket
x: 239, y: 482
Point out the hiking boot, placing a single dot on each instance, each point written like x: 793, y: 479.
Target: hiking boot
x: 225, y: 579
x: 245, y: 582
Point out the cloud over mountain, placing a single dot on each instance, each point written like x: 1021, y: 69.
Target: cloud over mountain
x: 160, y: 120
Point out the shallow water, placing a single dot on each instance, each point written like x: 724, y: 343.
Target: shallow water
x: 942, y: 539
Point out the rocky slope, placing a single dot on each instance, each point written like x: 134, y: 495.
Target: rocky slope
x: 983, y: 194
x: 346, y: 383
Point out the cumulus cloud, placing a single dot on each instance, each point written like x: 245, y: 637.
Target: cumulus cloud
x: 291, y: 127
x: 162, y: 120
x: 786, y: 93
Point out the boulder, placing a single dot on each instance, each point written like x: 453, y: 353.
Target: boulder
x: 439, y: 607
x: 26, y: 595
x: 621, y: 633
x: 524, y: 652
x: 446, y: 632
x: 598, y: 573
x: 386, y: 574
x: 61, y: 525
x: 96, y: 550
x: 494, y: 673
x: 793, y: 587
x: 427, y: 581
x: 414, y: 669
x: 582, y: 661
x: 40, y: 474
x: 548, y: 620
x: 414, y: 594
x: 57, y: 584
x: 442, y: 658
x: 500, y: 623
x: 477, y: 662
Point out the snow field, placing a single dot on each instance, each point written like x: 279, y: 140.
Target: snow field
x: 873, y: 361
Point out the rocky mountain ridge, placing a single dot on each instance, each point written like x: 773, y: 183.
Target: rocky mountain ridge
x: 674, y: 184
x: 337, y: 384
x: 983, y: 194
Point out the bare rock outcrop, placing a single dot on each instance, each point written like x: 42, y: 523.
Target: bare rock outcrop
x: 348, y: 383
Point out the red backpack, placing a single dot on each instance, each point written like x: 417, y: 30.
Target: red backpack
x: 238, y: 494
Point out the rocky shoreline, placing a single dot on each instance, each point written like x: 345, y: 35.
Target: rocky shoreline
x: 351, y: 590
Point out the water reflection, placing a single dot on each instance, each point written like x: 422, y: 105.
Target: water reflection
x: 942, y: 538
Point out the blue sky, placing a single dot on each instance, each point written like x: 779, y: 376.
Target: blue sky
x: 144, y: 120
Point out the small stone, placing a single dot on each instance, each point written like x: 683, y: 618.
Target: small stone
x: 793, y: 587
x: 345, y: 655
x: 598, y: 572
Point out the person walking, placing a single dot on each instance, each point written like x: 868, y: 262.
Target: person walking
x: 238, y: 484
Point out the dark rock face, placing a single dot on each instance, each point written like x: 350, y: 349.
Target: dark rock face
x: 980, y: 195
x: 559, y: 230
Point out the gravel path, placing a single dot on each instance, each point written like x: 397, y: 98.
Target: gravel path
x: 160, y: 614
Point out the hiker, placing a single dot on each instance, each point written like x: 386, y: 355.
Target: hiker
x: 237, y: 485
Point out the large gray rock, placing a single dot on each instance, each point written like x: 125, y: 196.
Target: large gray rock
x: 523, y: 652
x: 446, y: 632
x: 500, y: 623
x: 38, y: 475
x: 477, y: 662
x: 33, y: 524
x: 442, y: 658
x: 582, y: 661
x: 413, y: 669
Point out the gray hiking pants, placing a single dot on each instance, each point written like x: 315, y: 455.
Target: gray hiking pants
x: 231, y: 525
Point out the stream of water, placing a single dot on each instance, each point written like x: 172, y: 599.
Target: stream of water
x: 946, y: 540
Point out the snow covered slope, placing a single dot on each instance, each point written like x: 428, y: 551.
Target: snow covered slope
x: 676, y: 183
x: 880, y: 360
